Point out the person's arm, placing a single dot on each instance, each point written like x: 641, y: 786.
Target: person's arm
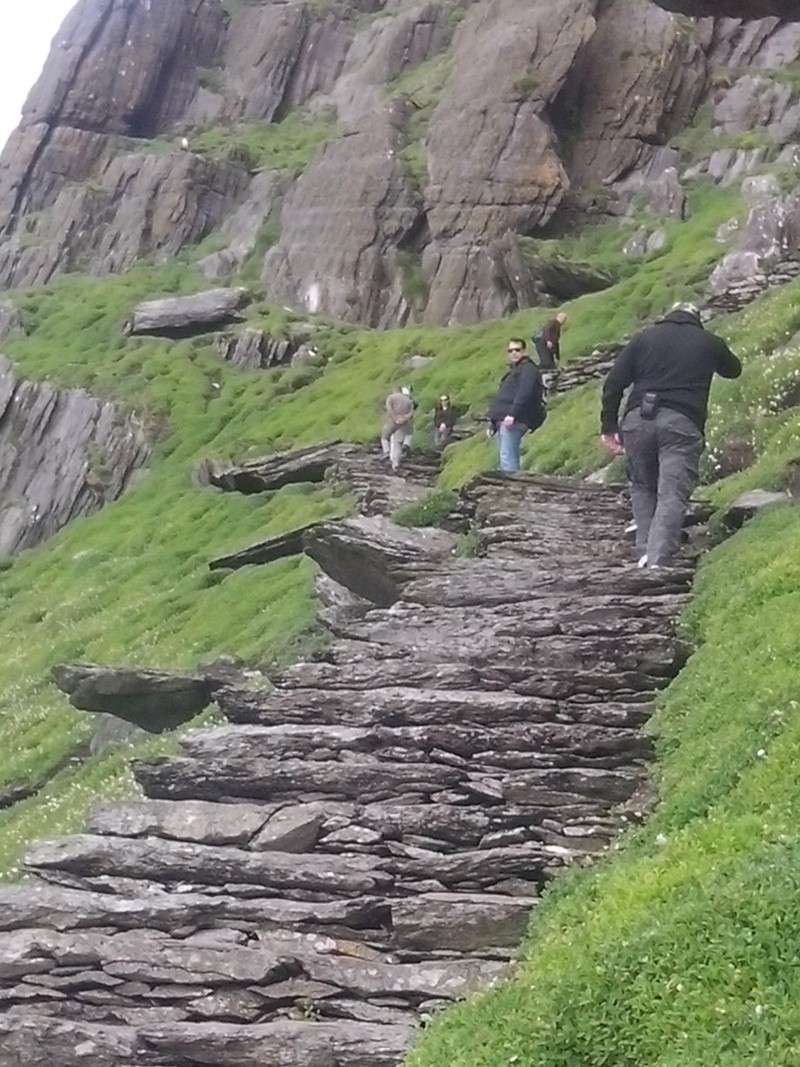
x: 619, y: 378
x: 726, y: 364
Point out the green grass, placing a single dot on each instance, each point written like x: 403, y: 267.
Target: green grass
x: 288, y: 145
x: 430, y: 511
x: 682, y: 950
x: 130, y: 584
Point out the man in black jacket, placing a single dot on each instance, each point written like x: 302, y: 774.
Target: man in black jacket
x: 670, y: 366
x: 518, y: 406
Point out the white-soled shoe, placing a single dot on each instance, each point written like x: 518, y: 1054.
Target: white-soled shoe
x: 642, y: 564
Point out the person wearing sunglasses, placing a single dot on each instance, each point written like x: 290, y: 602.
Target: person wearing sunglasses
x: 519, y: 405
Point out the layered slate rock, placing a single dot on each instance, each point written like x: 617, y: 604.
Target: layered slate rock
x: 63, y: 454
x: 156, y: 701
x: 365, y: 841
x: 182, y: 316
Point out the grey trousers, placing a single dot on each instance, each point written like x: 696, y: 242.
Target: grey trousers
x: 663, y: 458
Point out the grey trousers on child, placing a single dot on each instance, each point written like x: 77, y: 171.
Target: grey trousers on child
x: 663, y: 459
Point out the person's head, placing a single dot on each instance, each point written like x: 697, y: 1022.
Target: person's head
x: 561, y: 318
x: 444, y: 401
x: 515, y: 351
x: 405, y: 390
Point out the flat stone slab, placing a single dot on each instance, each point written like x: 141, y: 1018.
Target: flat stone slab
x: 299, y: 467
x: 181, y: 316
x: 273, y: 548
x: 156, y: 701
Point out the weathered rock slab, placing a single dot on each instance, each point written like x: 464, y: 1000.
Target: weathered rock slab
x: 178, y: 316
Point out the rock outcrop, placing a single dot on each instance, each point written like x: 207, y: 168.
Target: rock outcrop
x: 182, y: 316
x: 462, y: 125
x: 365, y: 841
x: 63, y: 453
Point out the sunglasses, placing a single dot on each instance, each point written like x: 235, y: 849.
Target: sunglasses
x: 515, y: 351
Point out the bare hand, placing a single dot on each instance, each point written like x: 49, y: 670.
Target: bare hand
x: 508, y: 421
x: 612, y: 442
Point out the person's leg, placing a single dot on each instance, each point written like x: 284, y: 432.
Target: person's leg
x: 546, y: 361
x: 396, y: 449
x: 680, y: 448
x: 510, y: 440
x: 641, y: 450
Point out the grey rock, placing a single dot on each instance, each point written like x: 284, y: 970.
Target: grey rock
x: 460, y: 922
x: 292, y: 829
x: 198, y: 821
x: 418, y: 362
x: 184, y: 315
x: 278, y: 547
x: 373, y: 557
x: 63, y: 454
x: 279, y: 1044
x: 169, y: 861
x: 749, y: 504
x: 156, y: 701
x: 445, y: 979
x: 304, y: 465
x: 111, y: 732
x: 656, y: 242
x: 636, y: 246
x: 255, y: 350
x: 10, y: 320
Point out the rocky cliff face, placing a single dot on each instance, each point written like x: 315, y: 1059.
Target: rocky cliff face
x: 63, y: 453
x: 457, y: 126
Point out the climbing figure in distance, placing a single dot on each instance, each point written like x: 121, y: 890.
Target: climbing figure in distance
x: 670, y: 367
x: 518, y: 407
x: 445, y: 417
x: 396, y: 431
x: 548, y: 349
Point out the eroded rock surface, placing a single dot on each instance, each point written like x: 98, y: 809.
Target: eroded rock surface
x: 63, y: 453
x: 180, y: 316
x: 364, y: 842
x: 459, y: 126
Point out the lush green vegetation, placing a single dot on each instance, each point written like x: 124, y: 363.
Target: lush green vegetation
x: 682, y: 949
x: 289, y: 145
x: 432, y: 510
x: 130, y: 583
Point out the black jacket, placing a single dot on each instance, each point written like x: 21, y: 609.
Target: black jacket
x: 521, y: 394
x: 676, y: 359
x: 445, y: 416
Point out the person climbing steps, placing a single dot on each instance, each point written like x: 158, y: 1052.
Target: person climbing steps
x: 518, y: 407
x: 397, y: 425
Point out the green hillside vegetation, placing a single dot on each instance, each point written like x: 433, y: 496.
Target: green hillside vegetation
x: 130, y: 584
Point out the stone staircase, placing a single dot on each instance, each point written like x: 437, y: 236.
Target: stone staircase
x: 365, y: 841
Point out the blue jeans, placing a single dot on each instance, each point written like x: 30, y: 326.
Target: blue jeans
x: 509, y: 441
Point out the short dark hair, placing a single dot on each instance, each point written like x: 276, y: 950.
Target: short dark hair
x: 518, y: 341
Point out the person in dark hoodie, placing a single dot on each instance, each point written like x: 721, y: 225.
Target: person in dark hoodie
x: 670, y: 367
x: 519, y: 405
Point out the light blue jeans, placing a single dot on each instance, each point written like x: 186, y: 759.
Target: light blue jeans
x: 509, y: 442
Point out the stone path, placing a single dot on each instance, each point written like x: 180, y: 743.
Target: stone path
x: 365, y: 841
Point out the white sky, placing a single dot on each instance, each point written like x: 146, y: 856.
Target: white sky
x: 26, y: 30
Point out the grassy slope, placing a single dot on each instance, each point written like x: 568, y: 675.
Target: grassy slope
x: 130, y: 584
x: 683, y: 951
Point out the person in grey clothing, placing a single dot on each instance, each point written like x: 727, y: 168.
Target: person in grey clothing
x: 669, y: 367
x: 396, y: 430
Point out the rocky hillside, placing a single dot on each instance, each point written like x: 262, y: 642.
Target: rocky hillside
x: 381, y: 162
x: 294, y: 751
